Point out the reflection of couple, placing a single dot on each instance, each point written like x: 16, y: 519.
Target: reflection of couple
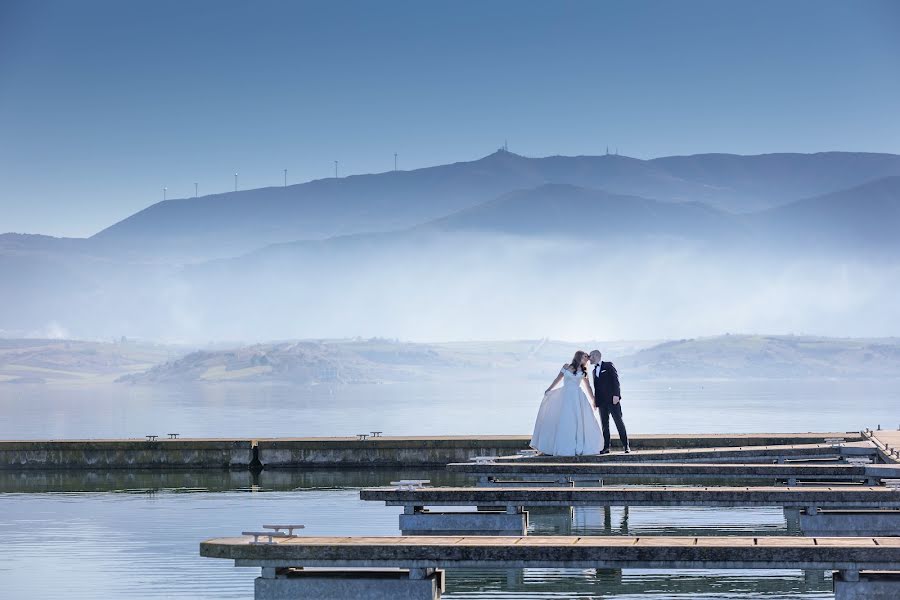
x: 567, y: 424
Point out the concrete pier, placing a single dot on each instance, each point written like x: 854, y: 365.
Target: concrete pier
x: 127, y: 454
x: 850, y: 555
x: 304, y: 584
x: 814, y: 511
x: 816, y: 522
x: 866, y: 585
x: 562, y: 472
x: 590, y: 471
x: 740, y: 454
x: 822, y: 497
x: 512, y: 522
x: 328, y: 453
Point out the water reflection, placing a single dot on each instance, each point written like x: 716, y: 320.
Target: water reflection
x: 212, y: 480
x: 636, y: 583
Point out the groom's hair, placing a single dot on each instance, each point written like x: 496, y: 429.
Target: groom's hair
x: 596, y: 353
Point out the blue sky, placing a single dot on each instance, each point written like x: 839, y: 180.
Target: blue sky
x: 104, y: 103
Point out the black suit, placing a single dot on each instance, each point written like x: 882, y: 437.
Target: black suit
x: 606, y: 385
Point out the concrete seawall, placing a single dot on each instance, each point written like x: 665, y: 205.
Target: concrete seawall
x: 326, y: 453
x: 127, y: 454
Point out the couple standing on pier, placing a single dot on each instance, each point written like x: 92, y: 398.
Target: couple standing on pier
x: 567, y: 423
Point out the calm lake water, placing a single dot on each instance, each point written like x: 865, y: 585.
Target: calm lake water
x: 124, y: 535
x: 497, y: 406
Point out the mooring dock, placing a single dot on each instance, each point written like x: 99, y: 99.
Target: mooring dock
x: 791, y: 497
x: 848, y: 507
x: 495, y: 472
x: 364, y: 450
x: 286, y: 562
x: 834, y: 451
x: 841, y: 510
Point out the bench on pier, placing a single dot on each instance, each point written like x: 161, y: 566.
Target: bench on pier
x: 421, y: 559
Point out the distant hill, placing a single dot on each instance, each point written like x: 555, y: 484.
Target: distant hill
x: 849, y: 221
x: 765, y: 180
x: 352, y: 361
x: 73, y: 361
x: 864, y: 217
x: 237, y: 222
x: 569, y: 211
x: 759, y: 356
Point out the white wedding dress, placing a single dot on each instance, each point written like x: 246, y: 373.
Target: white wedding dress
x: 567, y: 423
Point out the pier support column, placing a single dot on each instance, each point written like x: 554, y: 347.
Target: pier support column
x: 513, y: 521
x: 856, y: 585
x: 855, y: 523
x: 303, y: 584
x: 813, y: 576
x: 792, y: 519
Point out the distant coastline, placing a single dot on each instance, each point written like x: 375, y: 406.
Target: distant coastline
x: 356, y: 361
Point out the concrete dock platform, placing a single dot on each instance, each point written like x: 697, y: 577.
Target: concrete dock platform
x: 863, y: 497
x: 490, y: 473
x: 738, y: 454
x: 887, y: 443
x: 404, y: 552
x: 327, y: 452
x: 816, y: 511
x: 853, y: 559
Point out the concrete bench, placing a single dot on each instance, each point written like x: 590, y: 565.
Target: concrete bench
x: 410, y: 484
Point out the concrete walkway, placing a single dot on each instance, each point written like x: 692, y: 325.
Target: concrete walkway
x: 796, y: 497
x: 491, y: 472
x: 738, y: 454
x: 888, y: 444
x: 563, y: 552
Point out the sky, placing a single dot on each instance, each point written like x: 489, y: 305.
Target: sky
x: 105, y: 103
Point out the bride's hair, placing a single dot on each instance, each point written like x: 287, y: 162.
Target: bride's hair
x: 575, y: 365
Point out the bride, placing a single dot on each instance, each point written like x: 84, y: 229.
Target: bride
x: 567, y: 423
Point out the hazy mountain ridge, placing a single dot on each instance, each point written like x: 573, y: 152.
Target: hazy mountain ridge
x: 384, y: 361
x: 40, y: 361
x: 758, y: 356
x: 237, y: 222
x: 829, y: 259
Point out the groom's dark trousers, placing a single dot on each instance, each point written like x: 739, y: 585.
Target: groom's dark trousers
x: 606, y: 385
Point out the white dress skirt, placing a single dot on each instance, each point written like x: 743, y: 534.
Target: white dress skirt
x: 567, y: 423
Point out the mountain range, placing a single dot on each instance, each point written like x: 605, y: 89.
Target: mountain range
x: 200, y: 266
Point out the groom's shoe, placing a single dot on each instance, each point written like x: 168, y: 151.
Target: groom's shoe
x: 627, y: 449
x: 604, y: 451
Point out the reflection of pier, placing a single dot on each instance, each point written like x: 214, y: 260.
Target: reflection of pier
x: 593, y: 584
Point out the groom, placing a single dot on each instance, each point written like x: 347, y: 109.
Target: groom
x: 608, y: 398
